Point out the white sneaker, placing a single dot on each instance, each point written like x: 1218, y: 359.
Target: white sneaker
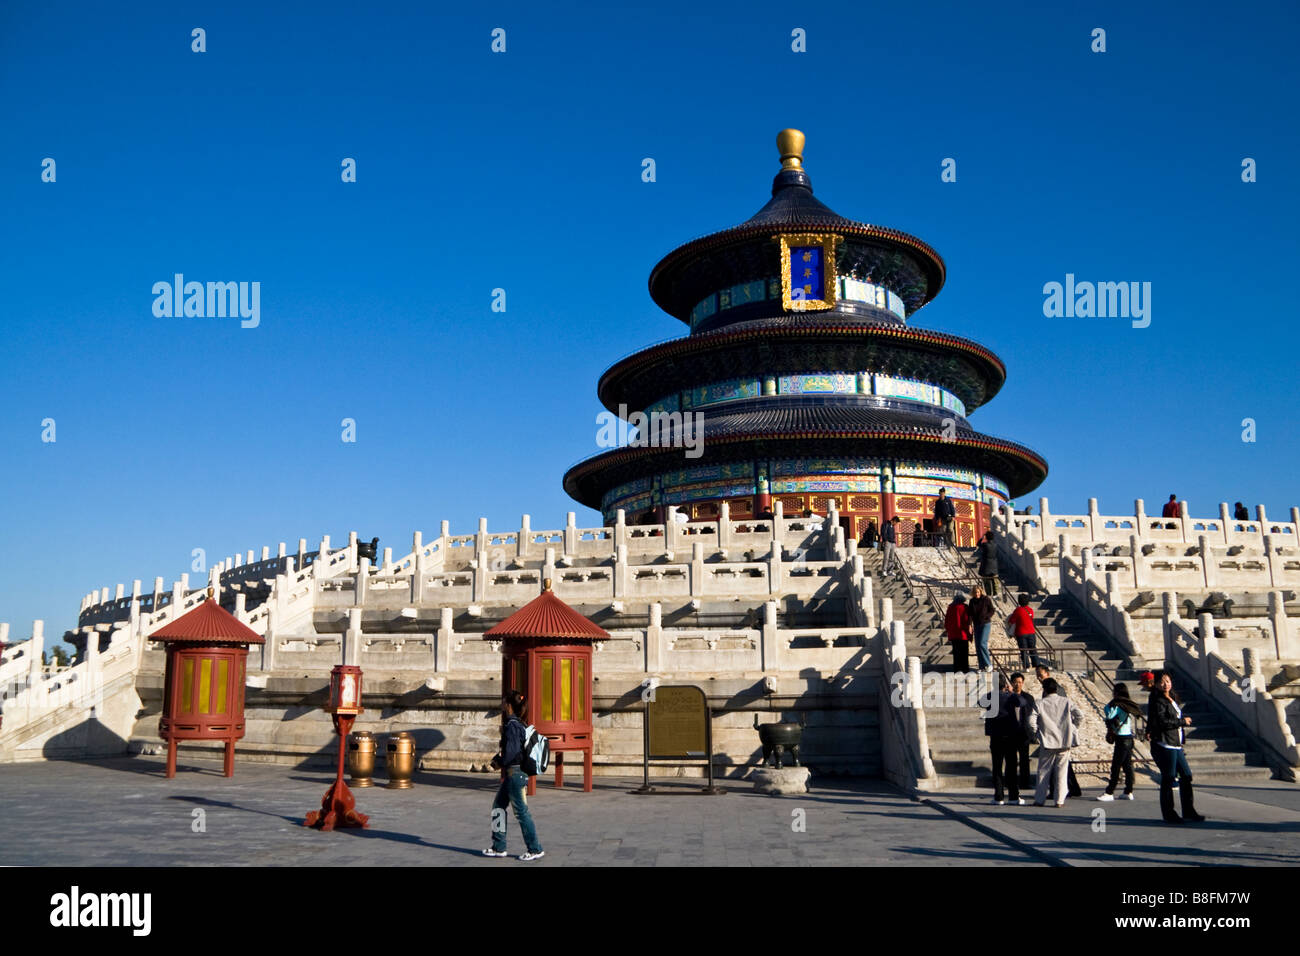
x: 1106, y: 797
x: 1000, y: 803
x: 1128, y: 796
x: 1020, y: 802
x: 1060, y: 803
x: 528, y: 857
x: 491, y: 852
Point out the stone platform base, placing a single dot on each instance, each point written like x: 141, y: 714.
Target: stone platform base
x: 788, y: 780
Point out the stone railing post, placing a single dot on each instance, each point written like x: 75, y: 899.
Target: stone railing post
x: 571, y: 533
x: 621, y: 571
x: 417, y: 576
x: 772, y: 650
x: 868, y: 600
x: 1184, y: 521
x: 352, y: 638
x: 481, y: 572
x: 1254, y: 681
x: 302, y: 553
x: 241, y: 606
x: 886, y: 611
x: 620, y: 530
x: 1224, y: 518
x: 444, y: 642
x: 352, y: 552
x: 1273, y: 558
x: 778, y: 529
x: 272, y: 636
x: 1113, y: 611
x: 724, y: 526
x: 548, y: 569
x: 1208, y: 564
x: 653, y: 652
x: 321, y: 555
x: 134, y: 612
x: 360, y: 579
x: 525, y: 538
x: 179, y: 588
x: 697, y: 569
x: 1044, y: 519
x: 1283, y: 640
x: 1169, y: 614
x: 36, y: 647
x: 775, y: 567
x: 1140, y: 517
x: 1140, y: 575
x: 1095, y: 530
x: 672, y: 530
x: 1209, y: 646
x: 388, y: 559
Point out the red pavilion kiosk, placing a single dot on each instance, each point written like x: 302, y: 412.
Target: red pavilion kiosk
x: 547, y: 657
x: 203, y: 692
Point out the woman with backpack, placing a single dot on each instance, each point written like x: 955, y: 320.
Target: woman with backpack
x: 514, y: 781
x: 1121, y: 715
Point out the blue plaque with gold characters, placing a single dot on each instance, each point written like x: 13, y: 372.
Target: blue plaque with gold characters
x: 808, y: 279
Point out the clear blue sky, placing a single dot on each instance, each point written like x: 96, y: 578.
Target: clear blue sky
x: 522, y: 171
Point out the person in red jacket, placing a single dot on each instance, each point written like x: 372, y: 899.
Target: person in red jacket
x: 957, y: 625
x: 1021, y: 625
x: 1172, y: 510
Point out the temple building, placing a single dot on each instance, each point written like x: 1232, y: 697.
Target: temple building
x: 809, y: 379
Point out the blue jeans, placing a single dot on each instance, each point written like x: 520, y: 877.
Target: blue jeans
x: 982, y: 646
x: 512, y: 793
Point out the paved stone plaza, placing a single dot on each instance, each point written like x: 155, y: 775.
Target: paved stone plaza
x: 122, y: 812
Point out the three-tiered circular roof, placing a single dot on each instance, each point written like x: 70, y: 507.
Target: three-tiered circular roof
x: 762, y: 336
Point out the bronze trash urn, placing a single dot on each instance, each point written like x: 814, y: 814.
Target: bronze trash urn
x: 361, y: 758
x: 401, y: 760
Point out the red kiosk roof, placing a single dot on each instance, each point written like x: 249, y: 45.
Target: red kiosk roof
x: 208, y: 623
x: 547, y: 616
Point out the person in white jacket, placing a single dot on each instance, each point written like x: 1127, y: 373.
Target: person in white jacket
x: 1054, y: 721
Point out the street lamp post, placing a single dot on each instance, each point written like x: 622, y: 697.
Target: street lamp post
x: 338, y: 806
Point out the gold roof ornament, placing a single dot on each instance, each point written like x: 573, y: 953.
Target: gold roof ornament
x: 790, y: 143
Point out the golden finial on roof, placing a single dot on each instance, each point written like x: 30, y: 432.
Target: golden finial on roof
x: 546, y: 585
x: 790, y: 143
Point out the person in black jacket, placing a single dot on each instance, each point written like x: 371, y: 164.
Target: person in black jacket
x: 944, y: 515
x: 986, y: 558
x: 1165, y: 723
x: 1003, y: 732
x: 889, y: 541
x: 1240, y: 513
x: 514, y: 782
x: 1024, y: 704
x: 871, y: 535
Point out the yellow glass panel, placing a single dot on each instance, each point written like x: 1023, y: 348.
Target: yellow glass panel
x: 223, y: 678
x: 580, y: 692
x: 187, y: 687
x: 205, y: 685
x: 566, y: 688
x: 548, y: 688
